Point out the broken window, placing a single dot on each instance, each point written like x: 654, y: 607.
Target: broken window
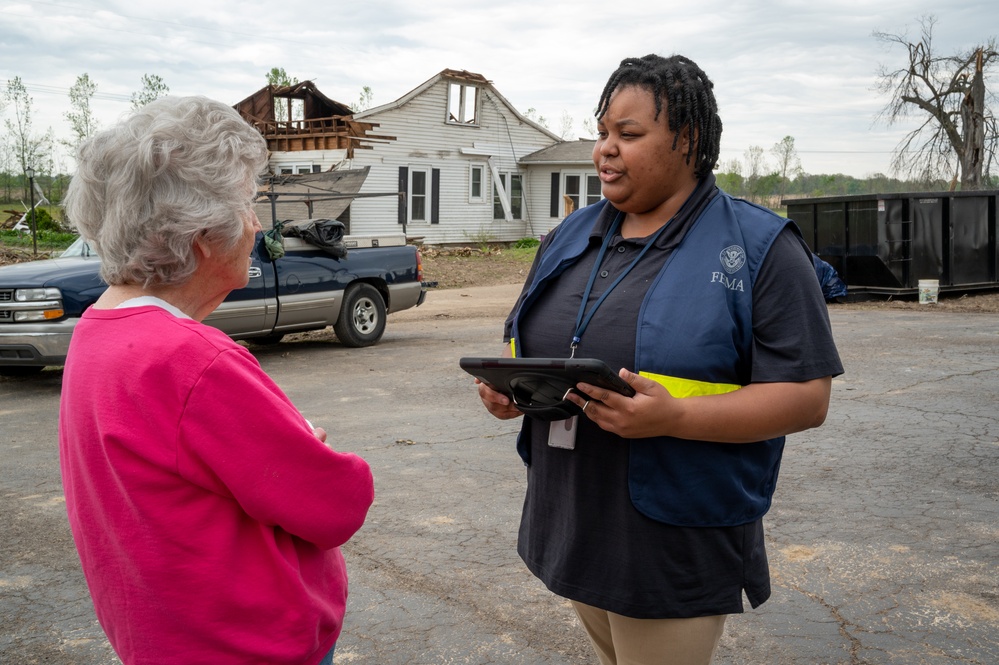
x: 289, y: 112
x: 290, y: 169
x: 577, y: 195
x: 463, y: 104
x: 514, y: 193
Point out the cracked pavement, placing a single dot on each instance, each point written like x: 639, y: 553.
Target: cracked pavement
x: 883, y: 539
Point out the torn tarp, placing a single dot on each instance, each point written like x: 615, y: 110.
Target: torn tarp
x: 326, y: 234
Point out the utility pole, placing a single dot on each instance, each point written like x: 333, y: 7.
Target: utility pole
x: 30, y: 172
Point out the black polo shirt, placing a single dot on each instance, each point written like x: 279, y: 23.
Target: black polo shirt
x: 580, y: 533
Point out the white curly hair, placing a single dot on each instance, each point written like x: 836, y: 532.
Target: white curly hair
x: 177, y: 169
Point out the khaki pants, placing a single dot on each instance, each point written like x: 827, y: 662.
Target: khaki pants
x: 620, y: 640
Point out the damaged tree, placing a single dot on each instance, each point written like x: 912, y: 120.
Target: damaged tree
x: 959, y: 134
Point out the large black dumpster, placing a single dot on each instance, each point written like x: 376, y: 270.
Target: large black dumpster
x: 886, y: 243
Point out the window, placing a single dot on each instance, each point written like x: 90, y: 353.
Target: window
x: 289, y: 169
x: 476, y: 174
x: 421, y: 187
x: 289, y: 113
x: 516, y: 196
x: 580, y: 190
x: 418, y: 195
x: 297, y: 109
x: 462, y: 104
x: 512, y: 184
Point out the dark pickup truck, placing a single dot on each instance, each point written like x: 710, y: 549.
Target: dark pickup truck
x: 306, y: 289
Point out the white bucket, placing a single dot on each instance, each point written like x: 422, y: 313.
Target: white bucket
x: 928, y: 291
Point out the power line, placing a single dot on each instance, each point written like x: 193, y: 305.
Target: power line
x: 844, y: 152
x: 824, y: 152
x: 54, y: 90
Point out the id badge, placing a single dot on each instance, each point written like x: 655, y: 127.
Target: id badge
x: 562, y: 433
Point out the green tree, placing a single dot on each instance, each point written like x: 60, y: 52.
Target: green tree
x: 729, y: 177
x: 729, y: 182
x: 364, y: 102
x: 153, y: 88
x: 279, y: 78
x: 81, y: 117
x: 959, y: 133
x: 767, y: 187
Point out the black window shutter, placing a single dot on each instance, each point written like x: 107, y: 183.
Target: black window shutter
x: 555, y: 193
x: 403, y: 192
x: 435, y: 196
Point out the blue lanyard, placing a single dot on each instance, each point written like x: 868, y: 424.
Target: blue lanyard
x: 583, y: 317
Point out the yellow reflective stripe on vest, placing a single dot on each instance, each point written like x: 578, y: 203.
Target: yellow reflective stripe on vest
x: 513, y: 348
x: 679, y: 388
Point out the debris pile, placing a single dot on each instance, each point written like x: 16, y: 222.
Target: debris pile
x: 20, y: 254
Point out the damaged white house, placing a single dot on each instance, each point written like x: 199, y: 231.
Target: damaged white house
x: 450, y: 162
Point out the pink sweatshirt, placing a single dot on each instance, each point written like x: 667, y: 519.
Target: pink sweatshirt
x: 207, y: 515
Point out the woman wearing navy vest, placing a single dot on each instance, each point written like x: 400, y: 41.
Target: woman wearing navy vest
x: 646, y: 511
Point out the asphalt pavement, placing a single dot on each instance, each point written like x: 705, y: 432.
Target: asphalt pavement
x: 883, y: 539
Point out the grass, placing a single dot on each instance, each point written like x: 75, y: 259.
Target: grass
x: 523, y: 255
x: 47, y: 240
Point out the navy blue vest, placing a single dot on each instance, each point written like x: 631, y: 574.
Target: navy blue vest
x: 695, y: 324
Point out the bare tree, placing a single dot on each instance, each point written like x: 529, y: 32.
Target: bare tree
x: 29, y: 148
x: 731, y: 166
x: 788, y: 164
x: 6, y: 154
x: 756, y: 170
x: 565, y: 125
x: 153, y: 88
x: 533, y: 115
x: 81, y: 118
x: 958, y: 133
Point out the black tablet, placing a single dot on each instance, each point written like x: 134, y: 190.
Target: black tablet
x: 541, y: 382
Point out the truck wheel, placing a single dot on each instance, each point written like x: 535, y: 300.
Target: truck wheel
x: 266, y: 340
x: 362, y: 317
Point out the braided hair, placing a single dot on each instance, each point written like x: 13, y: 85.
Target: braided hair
x: 690, y: 101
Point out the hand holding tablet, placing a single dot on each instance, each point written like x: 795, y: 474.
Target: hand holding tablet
x: 538, y: 386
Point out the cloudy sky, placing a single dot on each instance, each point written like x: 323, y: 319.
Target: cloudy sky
x: 800, y: 68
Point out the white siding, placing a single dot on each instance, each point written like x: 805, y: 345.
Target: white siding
x: 539, y: 189
x: 425, y: 140
x: 323, y: 159
x: 539, y: 178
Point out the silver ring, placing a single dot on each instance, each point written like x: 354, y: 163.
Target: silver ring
x: 585, y: 404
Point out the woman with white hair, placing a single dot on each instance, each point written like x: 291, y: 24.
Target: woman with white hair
x: 207, y: 511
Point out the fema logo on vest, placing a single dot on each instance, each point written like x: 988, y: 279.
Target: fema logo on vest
x: 732, y: 259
